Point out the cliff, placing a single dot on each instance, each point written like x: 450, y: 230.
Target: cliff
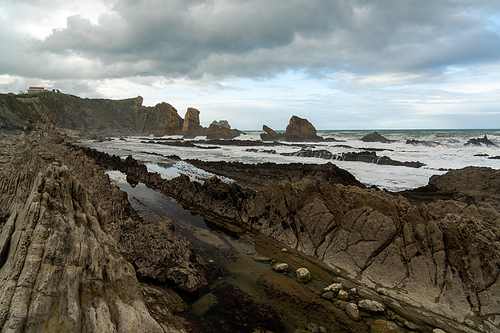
x: 97, y: 116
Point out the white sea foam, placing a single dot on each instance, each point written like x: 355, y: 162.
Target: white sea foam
x: 446, y: 150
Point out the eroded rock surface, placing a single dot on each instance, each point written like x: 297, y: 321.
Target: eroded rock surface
x: 445, y: 256
x: 60, y: 270
x: 442, y: 257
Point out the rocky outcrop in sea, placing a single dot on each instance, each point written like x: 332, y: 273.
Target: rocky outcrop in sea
x: 298, y: 129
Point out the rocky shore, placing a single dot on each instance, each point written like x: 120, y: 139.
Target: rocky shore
x: 76, y: 257
x: 439, y: 259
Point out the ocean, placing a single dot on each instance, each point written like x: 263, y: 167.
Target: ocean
x: 439, y: 150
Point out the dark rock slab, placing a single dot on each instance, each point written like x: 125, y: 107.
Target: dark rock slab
x: 375, y: 137
x: 480, y: 141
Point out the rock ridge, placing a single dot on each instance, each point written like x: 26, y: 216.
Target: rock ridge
x: 442, y: 256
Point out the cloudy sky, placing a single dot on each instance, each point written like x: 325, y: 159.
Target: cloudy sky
x: 342, y: 64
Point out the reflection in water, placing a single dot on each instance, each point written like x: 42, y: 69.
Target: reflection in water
x: 270, y: 294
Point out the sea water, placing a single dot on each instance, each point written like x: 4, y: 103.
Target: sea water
x: 445, y: 150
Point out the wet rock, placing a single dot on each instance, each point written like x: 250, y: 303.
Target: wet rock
x: 204, y: 304
x: 271, y: 135
x: 480, y: 141
x: 383, y: 326
x: 424, y: 143
x: 371, y: 157
x: 258, y: 176
x: 159, y: 255
x: 375, y: 137
x: 303, y: 275
x: 281, y: 267
x: 371, y: 306
x: 352, y: 311
x: 423, y: 249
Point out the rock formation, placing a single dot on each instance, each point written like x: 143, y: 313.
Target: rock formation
x: 191, y: 126
x: 101, y: 116
x: 60, y: 271
x: 386, y: 241
x: 160, y: 120
x: 60, y: 266
x: 364, y: 156
x: 375, y: 137
x: 271, y: 135
x: 442, y: 256
x: 480, y: 141
x: 221, y: 130
x: 298, y: 129
x: 469, y: 185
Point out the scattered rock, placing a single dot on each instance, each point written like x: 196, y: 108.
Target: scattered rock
x: 371, y: 306
x: 281, y: 267
x: 335, y: 287
x: 352, y: 311
x: 343, y: 295
x: 424, y: 143
x: 303, y: 275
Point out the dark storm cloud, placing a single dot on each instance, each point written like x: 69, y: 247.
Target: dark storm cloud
x: 255, y: 38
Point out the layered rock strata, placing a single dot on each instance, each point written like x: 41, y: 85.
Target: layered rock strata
x: 60, y: 271
x: 441, y: 257
x: 47, y: 110
x: 60, y: 266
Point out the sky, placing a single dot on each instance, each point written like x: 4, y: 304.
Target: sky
x: 341, y: 64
